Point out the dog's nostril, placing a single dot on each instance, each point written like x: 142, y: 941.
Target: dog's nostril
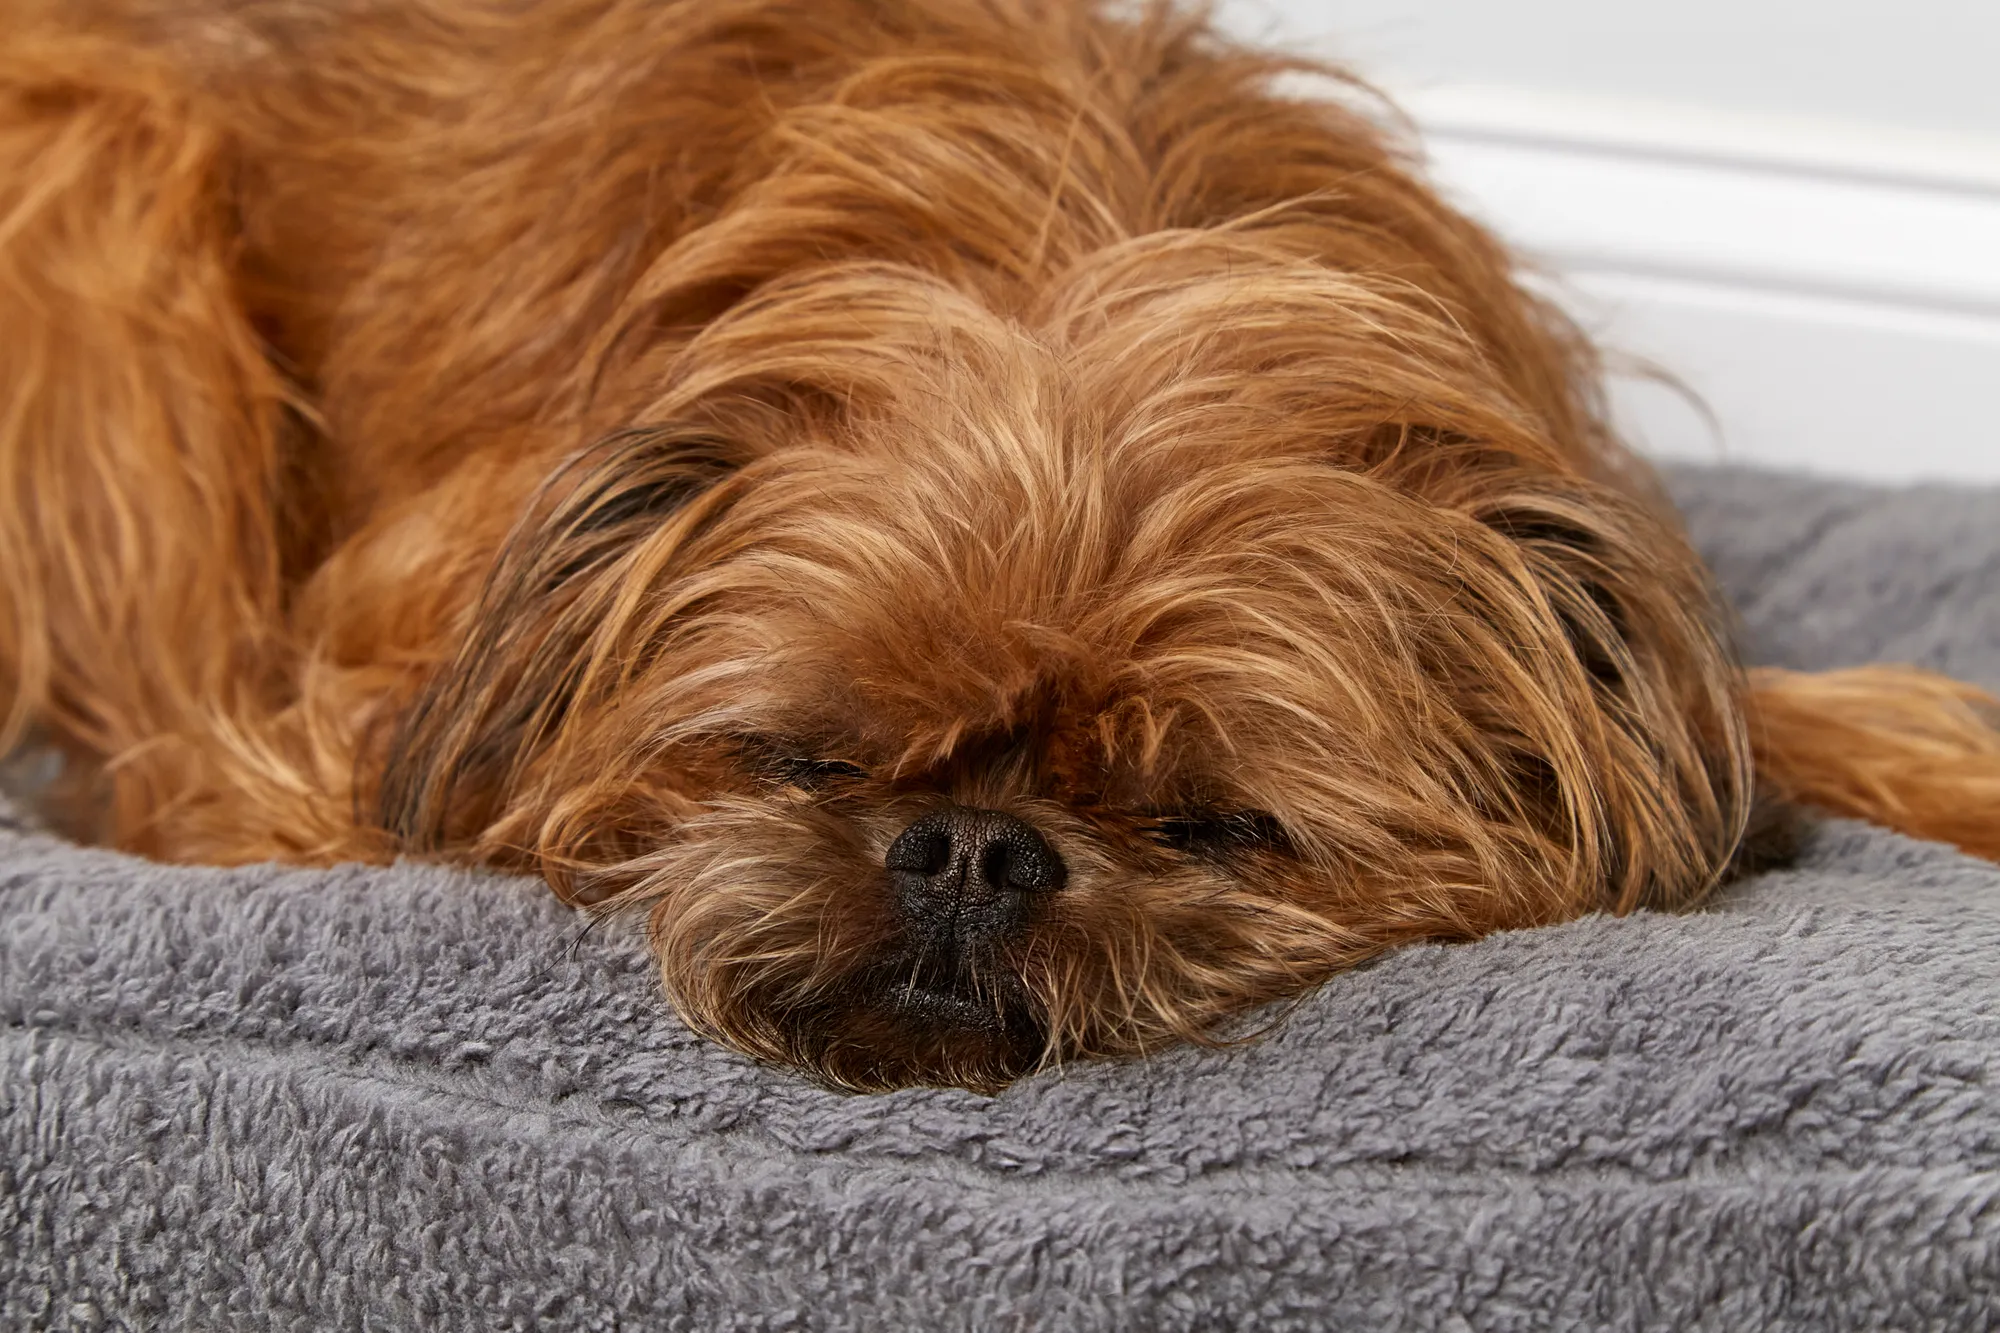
x: 972, y: 868
x: 924, y: 848
x: 1018, y: 857
x: 996, y: 866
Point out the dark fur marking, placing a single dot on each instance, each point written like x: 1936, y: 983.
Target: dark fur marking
x: 1577, y: 553
x: 479, y: 718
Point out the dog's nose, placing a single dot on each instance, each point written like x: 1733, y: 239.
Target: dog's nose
x: 971, y: 873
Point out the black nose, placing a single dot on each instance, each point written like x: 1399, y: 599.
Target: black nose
x: 970, y: 874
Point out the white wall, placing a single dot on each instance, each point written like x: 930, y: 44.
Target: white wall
x: 1792, y: 207
x: 1916, y: 64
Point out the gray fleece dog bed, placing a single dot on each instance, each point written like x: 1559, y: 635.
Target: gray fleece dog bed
x: 417, y: 1098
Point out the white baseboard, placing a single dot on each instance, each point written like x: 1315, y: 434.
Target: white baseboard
x: 1832, y: 296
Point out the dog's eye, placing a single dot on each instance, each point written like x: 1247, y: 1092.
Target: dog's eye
x: 786, y: 765
x: 794, y: 771
x: 1217, y: 834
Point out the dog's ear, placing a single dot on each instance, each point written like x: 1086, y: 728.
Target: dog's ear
x: 1657, y: 688
x: 543, y: 623
x: 1570, y: 558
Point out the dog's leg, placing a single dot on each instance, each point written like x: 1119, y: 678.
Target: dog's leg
x: 141, y: 617
x: 1905, y: 748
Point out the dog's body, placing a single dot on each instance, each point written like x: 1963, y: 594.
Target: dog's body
x: 1017, y: 540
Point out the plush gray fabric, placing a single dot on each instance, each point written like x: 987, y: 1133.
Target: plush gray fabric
x: 1827, y: 573
x: 426, y: 1099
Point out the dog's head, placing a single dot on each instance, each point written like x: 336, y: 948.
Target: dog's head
x: 967, y: 692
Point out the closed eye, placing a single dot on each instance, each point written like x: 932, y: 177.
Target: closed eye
x: 814, y: 773
x: 788, y: 765
x: 1220, y: 833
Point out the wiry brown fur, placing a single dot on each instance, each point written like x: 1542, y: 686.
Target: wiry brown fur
x: 673, y: 444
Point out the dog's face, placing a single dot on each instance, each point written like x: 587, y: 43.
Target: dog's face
x: 967, y: 692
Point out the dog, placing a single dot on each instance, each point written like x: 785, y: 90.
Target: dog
x: 1013, y: 532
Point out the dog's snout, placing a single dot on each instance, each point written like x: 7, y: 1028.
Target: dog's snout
x: 971, y: 871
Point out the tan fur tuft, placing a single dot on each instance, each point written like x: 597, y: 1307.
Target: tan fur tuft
x: 1909, y: 749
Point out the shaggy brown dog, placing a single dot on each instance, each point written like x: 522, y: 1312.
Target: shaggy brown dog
x: 1018, y: 540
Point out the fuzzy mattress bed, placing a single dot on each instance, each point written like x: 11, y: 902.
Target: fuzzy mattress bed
x: 418, y: 1098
